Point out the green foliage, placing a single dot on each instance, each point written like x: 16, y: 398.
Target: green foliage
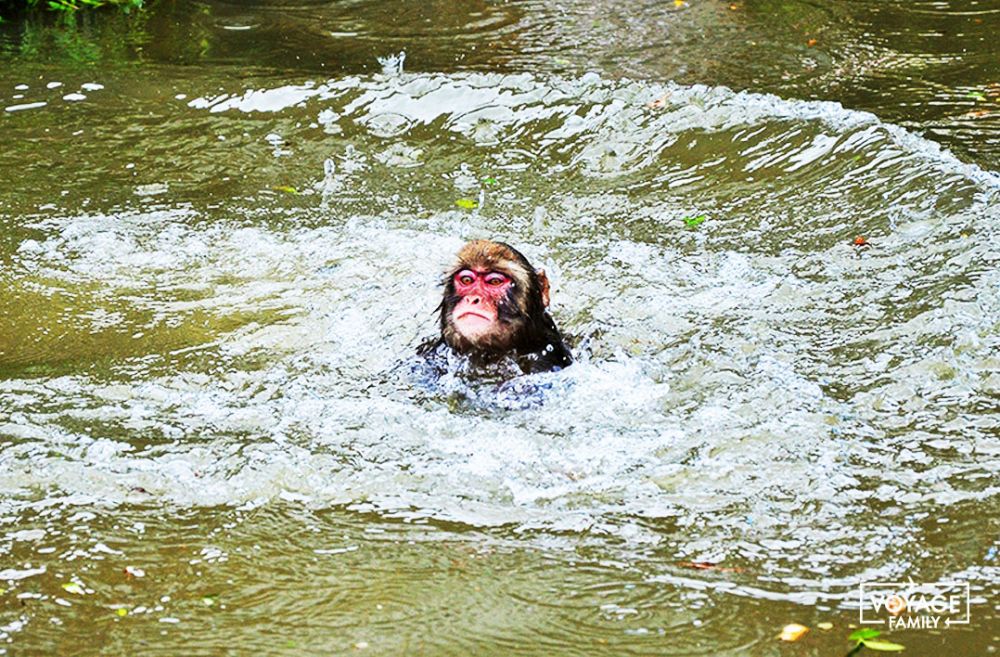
x: 694, y: 222
x: 863, y: 634
x: 74, y: 5
x: 866, y: 637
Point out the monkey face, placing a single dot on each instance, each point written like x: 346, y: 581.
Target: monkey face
x: 494, y: 306
x: 482, y: 315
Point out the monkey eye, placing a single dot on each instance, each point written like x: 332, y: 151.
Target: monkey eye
x: 465, y: 277
x: 495, y: 279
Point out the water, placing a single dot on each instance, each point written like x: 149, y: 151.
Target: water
x: 214, y: 279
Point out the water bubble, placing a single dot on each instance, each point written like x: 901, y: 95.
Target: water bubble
x: 393, y: 64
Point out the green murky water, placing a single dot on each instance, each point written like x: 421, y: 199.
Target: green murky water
x: 221, y: 231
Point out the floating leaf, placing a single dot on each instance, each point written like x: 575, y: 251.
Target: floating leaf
x: 208, y: 600
x: 976, y: 95
x: 694, y: 222
x: 793, y: 632
x: 864, y: 634
x: 490, y: 180
x: 811, y: 42
x: 883, y: 646
x: 121, y: 612
x: 861, y: 240
x: 286, y: 189
x: 659, y: 102
x: 73, y: 587
x: 466, y: 203
x: 708, y: 565
x: 825, y: 626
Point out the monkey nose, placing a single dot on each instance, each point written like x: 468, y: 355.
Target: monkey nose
x: 474, y: 300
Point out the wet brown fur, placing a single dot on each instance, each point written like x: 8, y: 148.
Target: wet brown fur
x: 484, y: 255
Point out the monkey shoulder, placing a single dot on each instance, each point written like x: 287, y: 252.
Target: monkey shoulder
x: 551, y: 357
x: 435, y: 357
x: 547, y: 352
x: 432, y: 359
x: 431, y: 347
x: 507, y: 381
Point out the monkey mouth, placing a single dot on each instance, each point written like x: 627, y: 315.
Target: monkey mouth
x: 475, y: 325
x: 474, y: 315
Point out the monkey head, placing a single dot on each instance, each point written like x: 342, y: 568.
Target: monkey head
x: 495, y: 304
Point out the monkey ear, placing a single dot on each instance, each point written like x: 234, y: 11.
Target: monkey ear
x: 543, y: 286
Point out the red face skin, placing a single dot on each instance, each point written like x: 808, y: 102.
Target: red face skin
x: 475, y: 315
